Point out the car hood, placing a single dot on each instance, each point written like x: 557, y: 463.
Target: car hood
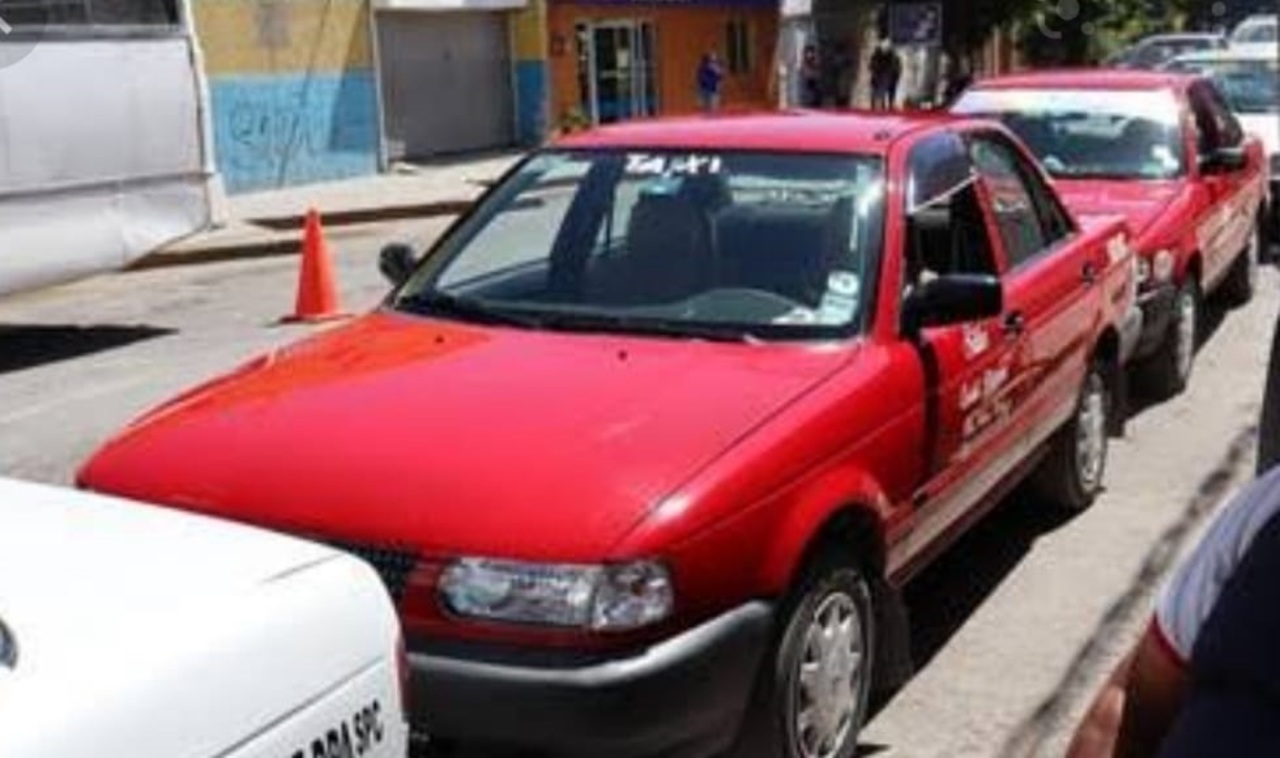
x: 127, y: 616
x: 1140, y: 202
x: 449, y: 438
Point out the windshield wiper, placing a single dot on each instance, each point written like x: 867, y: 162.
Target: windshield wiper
x: 435, y: 303
x: 592, y: 322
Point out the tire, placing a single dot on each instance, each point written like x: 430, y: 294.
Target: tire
x: 1242, y: 281
x: 1166, y: 373
x: 1072, y: 473
x: 811, y: 698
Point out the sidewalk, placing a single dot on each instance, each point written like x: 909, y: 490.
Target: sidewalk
x: 268, y: 223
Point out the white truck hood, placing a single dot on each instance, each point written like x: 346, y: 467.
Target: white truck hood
x: 171, y: 634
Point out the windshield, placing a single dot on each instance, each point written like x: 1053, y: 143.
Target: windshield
x: 1256, y: 32
x: 1098, y: 134
x: 1250, y: 86
x: 730, y: 245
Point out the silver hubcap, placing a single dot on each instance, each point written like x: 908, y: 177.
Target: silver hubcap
x: 830, y: 679
x: 1091, y: 433
x: 1186, y: 332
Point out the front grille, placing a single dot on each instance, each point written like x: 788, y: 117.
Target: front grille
x: 394, y: 566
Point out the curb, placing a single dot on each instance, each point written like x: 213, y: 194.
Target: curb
x: 349, y: 223
x: 367, y: 215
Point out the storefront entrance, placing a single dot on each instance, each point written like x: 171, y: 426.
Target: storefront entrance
x: 616, y: 70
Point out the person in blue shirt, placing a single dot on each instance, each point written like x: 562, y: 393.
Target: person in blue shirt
x: 710, y: 78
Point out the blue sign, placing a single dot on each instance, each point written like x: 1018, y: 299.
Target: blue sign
x: 916, y: 24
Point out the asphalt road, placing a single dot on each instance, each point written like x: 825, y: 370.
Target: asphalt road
x: 1014, y: 627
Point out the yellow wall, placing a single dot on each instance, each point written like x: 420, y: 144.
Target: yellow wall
x: 268, y: 36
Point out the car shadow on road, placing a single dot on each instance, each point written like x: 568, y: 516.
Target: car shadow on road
x: 946, y: 594
x: 24, y: 346
x: 942, y: 598
x: 1212, y: 316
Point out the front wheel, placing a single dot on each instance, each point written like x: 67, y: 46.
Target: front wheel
x: 1242, y: 280
x: 811, y: 701
x: 1167, y: 372
x: 1072, y: 473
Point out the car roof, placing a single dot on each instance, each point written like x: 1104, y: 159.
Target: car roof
x: 1246, y: 52
x: 1181, y: 37
x: 796, y: 131
x: 1102, y: 79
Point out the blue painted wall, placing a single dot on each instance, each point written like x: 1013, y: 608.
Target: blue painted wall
x: 531, y: 101
x: 276, y: 130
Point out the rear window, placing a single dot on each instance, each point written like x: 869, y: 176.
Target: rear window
x: 1084, y: 133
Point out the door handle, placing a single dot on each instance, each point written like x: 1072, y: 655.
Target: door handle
x: 1014, y: 324
x: 1089, y: 273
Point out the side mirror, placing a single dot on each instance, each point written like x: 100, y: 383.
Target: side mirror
x: 397, y: 263
x: 952, y: 299
x: 1225, y: 160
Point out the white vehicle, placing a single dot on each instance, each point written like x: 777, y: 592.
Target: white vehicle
x: 130, y: 630
x: 105, y: 149
x: 1249, y: 77
x: 1258, y: 30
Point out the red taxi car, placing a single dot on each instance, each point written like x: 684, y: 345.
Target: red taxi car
x: 645, y: 445
x: 1165, y: 150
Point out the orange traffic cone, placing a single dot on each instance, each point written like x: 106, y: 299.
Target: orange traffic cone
x: 317, y: 293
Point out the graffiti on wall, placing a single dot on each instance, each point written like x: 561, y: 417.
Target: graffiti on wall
x: 277, y: 130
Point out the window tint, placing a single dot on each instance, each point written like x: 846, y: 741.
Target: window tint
x: 1020, y: 220
x: 1216, y: 126
x: 939, y: 165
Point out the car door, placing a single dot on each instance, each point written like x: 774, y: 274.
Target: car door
x: 966, y: 367
x: 1052, y: 287
x: 1226, y: 221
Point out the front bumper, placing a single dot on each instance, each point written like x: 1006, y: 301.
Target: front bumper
x: 681, y: 697
x: 1157, y: 305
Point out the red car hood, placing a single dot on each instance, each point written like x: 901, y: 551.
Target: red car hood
x: 1140, y: 202
x: 456, y: 439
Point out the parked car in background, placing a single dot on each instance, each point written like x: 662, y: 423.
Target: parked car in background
x: 1165, y: 150
x: 136, y: 631
x: 646, y: 445
x: 1258, y: 31
x: 1249, y: 78
x: 1152, y: 52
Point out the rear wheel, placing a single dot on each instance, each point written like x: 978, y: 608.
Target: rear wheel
x: 812, y: 696
x: 1242, y: 281
x: 1166, y: 373
x: 1071, y: 475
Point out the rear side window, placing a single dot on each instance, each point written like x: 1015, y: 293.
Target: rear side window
x: 1030, y: 220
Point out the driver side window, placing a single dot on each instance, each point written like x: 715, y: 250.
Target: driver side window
x: 1216, y: 126
x: 947, y: 232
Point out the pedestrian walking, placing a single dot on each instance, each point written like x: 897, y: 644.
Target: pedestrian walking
x: 710, y: 78
x: 886, y: 72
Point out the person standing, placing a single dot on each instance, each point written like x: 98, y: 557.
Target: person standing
x: 810, y: 78
x: 886, y: 71
x: 710, y: 80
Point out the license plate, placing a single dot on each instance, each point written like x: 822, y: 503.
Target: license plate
x: 359, y: 734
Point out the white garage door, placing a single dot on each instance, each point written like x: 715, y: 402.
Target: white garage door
x: 446, y: 82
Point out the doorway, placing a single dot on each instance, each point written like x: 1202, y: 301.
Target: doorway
x: 616, y: 72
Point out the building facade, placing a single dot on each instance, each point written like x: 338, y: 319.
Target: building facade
x: 292, y: 87
x: 312, y: 90
x: 611, y: 60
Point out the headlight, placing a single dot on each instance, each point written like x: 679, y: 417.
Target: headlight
x: 602, y: 598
